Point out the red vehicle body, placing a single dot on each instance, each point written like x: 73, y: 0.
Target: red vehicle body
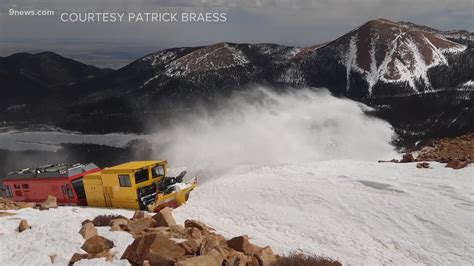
x: 64, y: 181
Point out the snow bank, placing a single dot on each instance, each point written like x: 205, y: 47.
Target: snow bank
x: 55, y: 232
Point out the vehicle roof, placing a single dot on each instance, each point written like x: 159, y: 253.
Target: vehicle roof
x: 51, y: 171
x: 130, y: 166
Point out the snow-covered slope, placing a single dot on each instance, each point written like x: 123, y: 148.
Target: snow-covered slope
x: 359, y: 212
x: 356, y: 211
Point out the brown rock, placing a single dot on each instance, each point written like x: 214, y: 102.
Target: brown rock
x: 193, y: 232
x: 456, y: 164
x: 146, y: 263
x: 105, y: 254
x: 196, y: 224
x: 139, y: 215
x: 156, y: 248
x: 213, y: 258
x: 97, y: 244
x: 407, y: 158
x: 23, y: 205
x: 423, y: 165
x: 164, y: 217
x: 138, y: 227
x: 242, y: 244
x: 119, y: 224
x: 191, y: 246
x: 50, y: 202
x: 212, y: 241
x: 265, y: 256
x: 86, y: 221
x: 52, y: 258
x: 23, y: 225
x: 88, y: 230
x: 77, y: 257
x: 236, y: 258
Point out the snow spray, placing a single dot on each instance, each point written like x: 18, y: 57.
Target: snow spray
x: 260, y: 126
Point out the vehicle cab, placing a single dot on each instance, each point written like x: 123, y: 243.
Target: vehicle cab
x: 122, y: 186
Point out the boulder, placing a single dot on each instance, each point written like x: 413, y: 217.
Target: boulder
x: 265, y: 256
x: 196, y: 224
x: 164, y: 217
x: 456, y: 164
x: 191, y: 246
x: 138, y: 227
x: 77, y: 257
x: 97, y: 244
x: 119, y: 224
x: 23, y: 225
x: 193, y: 232
x: 213, y: 258
x: 236, y: 258
x: 156, y: 248
x: 407, y: 158
x: 242, y: 244
x: 139, y: 215
x: 423, y: 165
x: 50, y: 202
x: 212, y: 241
x: 88, y: 230
x: 86, y: 221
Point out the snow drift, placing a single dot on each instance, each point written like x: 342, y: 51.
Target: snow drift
x: 261, y: 126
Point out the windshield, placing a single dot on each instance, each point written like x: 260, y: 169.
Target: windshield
x: 158, y: 170
x: 141, y: 176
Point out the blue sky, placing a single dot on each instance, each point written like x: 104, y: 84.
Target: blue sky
x: 298, y: 23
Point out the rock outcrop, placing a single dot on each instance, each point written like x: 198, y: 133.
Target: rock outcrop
x: 456, y: 152
x: 166, y: 243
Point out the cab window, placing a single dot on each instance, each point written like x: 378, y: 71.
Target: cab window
x: 157, y: 171
x: 124, y: 180
x: 141, y: 176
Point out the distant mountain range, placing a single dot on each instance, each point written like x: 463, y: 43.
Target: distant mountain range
x: 419, y: 79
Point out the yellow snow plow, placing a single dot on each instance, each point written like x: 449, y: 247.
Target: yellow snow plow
x: 142, y: 185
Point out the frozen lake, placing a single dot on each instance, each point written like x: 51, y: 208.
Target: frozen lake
x: 51, y: 141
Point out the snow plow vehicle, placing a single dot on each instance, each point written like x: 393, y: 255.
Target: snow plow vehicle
x: 141, y: 185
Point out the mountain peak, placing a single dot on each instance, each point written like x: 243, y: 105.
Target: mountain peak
x: 388, y: 51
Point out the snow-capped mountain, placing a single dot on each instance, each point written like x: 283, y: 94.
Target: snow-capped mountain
x: 418, y: 78
x: 390, y: 52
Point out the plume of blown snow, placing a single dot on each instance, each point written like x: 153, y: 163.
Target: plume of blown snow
x: 261, y: 126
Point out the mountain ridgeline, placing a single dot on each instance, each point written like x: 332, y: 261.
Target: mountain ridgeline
x: 419, y: 79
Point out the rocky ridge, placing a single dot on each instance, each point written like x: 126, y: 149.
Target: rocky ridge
x: 456, y: 153
x: 160, y: 241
